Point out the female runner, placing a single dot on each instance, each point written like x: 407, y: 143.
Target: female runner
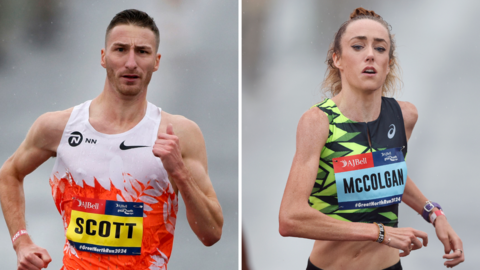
x: 348, y: 173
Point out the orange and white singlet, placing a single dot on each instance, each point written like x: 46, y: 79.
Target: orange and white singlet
x: 117, y: 204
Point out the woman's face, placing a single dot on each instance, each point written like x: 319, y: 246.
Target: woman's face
x: 364, y: 62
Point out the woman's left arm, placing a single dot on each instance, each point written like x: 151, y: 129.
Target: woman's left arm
x: 414, y: 198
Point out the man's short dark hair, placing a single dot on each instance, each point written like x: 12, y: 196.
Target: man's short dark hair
x: 137, y: 18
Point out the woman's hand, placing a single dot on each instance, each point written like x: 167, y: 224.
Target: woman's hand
x: 405, y: 239
x: 450, y: 241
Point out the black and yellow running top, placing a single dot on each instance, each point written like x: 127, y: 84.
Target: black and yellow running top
x: 346, y: 138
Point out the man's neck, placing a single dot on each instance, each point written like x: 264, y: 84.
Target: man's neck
x: 113, y: 113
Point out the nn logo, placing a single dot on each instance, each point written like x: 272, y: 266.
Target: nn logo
x: 76, y: 139
x: 87, y: 140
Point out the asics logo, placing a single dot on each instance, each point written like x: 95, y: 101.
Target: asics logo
x: 391, y: 131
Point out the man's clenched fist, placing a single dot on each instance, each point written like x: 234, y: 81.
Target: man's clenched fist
x: 167, y: 148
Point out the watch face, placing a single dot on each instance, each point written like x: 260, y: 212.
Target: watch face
x: 428, y: 206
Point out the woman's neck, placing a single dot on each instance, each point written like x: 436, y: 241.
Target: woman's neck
x: 359, y: 106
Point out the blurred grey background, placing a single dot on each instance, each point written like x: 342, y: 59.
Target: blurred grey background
x: 285, y: 44
x: 50, y: 60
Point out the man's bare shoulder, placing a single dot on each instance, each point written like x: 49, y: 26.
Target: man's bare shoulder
x: 189, y: 134
x: 182, y: 126
x: 47, y: 130
x: 52, y: 121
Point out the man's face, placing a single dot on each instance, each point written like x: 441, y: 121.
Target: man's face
x: 130, y: 57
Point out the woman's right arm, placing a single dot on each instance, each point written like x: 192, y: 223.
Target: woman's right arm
x: 298, y: 219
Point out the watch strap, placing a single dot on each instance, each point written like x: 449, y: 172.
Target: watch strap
x: 426, y: 214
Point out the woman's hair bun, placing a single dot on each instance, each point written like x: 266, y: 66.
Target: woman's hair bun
x: 363, y: 12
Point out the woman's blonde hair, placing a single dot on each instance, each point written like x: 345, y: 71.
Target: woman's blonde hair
x: 333, y: 84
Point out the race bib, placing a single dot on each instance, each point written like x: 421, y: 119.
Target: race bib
x: 370, y: 180
x: 106, y: 227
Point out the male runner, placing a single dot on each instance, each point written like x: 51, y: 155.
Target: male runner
x: 120, y: 162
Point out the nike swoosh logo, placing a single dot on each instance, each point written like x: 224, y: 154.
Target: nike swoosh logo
x: 125, y: 147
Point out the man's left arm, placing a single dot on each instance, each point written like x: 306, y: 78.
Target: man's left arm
x: 184, y: 157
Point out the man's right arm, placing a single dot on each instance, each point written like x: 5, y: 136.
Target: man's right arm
x: 39, y: 145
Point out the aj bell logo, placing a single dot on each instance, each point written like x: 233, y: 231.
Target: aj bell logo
x: 355, y: 162
x: 88, y: 205
x: 391, y: 131
x: 76, y: 138
x: 389, y: 156
x: 121, y: 205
